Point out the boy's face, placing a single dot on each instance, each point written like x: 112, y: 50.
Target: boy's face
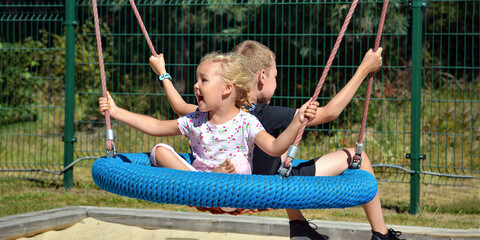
x: 266, y: 91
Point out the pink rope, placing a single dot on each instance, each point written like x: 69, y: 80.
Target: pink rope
x: 142, y: 26
x: 329, y: 64
x: 370, y: 76
x: 325, y: 72
x: 102, y: 68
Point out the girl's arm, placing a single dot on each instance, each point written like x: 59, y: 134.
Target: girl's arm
x: 179, y: 105
x: 145, y: 124
x: 277, y: 146
x: 371, y: 62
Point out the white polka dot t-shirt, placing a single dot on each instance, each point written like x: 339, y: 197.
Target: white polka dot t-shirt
x: 213, y: 144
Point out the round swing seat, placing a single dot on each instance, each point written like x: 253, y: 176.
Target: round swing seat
x: 132, y: 175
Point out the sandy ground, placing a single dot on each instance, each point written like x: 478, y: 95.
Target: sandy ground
x: 90, y: 228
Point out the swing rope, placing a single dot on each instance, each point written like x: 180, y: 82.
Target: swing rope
x: 110, y: 146
x: 370, y: 77
x: 357, y: 158
x: 142, y: 26
x: 286, y: 167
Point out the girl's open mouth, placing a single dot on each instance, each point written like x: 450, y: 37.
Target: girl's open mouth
x: 199, y: 98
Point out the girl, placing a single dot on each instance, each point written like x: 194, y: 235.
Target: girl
x: 220, y: 133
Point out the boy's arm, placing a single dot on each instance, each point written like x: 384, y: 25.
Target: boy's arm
x: 277, y: 146
x: 145, y: 124
x: 371, y: 62
x: 179, y: 105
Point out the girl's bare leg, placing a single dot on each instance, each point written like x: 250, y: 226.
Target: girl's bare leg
x: 166, y: 158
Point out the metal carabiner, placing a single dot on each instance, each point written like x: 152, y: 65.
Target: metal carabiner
x: 356, y: 161
x: 283, y: 171
x: 357, y: 158
x: 113, y: 152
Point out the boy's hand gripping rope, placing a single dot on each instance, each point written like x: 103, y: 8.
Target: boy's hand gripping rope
x: 110, y: 146
x: 286, y: 166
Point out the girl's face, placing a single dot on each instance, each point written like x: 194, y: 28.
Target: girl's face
x: 210, y: 86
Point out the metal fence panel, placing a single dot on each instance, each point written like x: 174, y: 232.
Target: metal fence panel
x: 31, y: 106
x: 451, y: 87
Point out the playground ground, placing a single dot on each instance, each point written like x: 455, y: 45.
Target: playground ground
x: 82, y: 222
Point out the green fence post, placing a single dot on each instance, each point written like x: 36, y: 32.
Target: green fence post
x: 69, y: 137
x: 416, y: 105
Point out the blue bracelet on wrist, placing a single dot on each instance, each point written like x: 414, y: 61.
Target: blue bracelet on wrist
x: 164, y: 76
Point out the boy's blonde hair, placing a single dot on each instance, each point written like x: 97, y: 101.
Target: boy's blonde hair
x: 235, y: 72
x: 258, y: 55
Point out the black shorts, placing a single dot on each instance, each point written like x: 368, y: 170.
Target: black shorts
x: 303, y: 168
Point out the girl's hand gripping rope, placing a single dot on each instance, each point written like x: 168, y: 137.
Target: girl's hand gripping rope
x: 158, y: 66
x: 104, y: 105
x: 107, y: 103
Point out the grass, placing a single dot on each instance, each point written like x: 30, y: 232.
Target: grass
x: 441, y: 206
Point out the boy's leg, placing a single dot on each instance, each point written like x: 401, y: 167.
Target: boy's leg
x: 373, y: 209
x: 335, y: 163
x: 295, y: 214
x: 300, y: 228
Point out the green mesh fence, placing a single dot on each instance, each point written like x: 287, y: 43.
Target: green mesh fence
x: 31, y: 80
x: 451, y: 90
x: 301, y: 34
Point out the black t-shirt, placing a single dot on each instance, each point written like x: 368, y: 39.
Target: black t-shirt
x: 274, y: 119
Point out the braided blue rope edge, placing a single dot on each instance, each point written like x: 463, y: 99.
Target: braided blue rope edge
x: 131, y: 175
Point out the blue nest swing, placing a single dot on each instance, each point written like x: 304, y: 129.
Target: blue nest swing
x: 131, y: 175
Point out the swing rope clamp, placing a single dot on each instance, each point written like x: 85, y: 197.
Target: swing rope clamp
x: 284, y: 171
x: 109, y: 135
x: 357, y: 158
x: 111, y: 153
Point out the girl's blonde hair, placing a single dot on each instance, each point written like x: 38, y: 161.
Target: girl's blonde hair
x: 235, y: 72
x: 258, y: 55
